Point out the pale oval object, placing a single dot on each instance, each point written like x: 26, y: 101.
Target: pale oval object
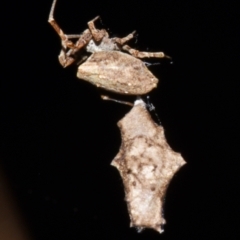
x: 117, y: 72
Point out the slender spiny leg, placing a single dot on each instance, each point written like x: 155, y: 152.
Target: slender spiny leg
x: 83, y: 40
x: 69, y: 36
x: 65, y: 42
x: 67, y: 58
x: 123, y: 40
x: 139, y: 54
x: 104, y: 97
x: 64, y: 59
x: 96, y: 33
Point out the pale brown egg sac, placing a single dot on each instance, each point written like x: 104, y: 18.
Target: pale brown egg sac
x: 146, y: 164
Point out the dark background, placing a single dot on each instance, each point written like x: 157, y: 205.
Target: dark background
x: 58, y: 137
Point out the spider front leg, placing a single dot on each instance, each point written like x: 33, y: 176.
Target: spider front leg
x: 65, y: 57
x: 139, y: 54
x: 97, y: 34
x: 65, y: 41
x: 69, y: 49
x: 123, y: 40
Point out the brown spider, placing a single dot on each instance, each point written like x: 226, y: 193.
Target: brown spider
x: 107, y: 67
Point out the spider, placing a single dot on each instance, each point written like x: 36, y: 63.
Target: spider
x: 107, y: 67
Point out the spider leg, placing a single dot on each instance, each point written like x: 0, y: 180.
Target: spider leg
x: 73, y: 36
x: 123, y: 40
x: 69, y: 48
x: 97, y: 34
x: 66, y: 58
x: 139, y: 54
x: 104, y: 97
x: 65, y: 42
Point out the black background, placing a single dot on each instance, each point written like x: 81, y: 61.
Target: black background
x: 59, y: 137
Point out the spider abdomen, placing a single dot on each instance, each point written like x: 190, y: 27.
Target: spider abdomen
x: 117, y: 72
